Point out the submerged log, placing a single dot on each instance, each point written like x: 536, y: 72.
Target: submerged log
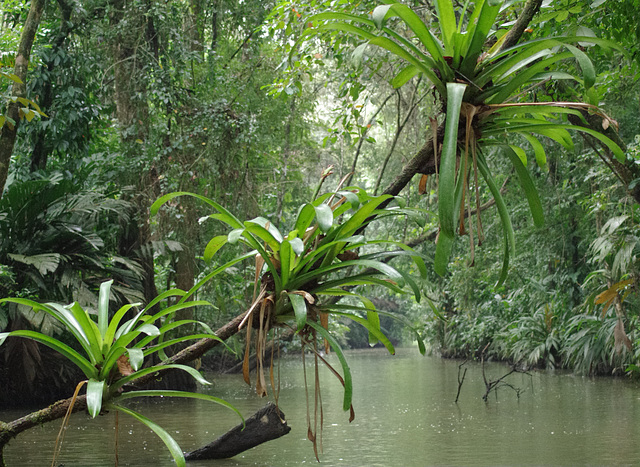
x: 266, y: 424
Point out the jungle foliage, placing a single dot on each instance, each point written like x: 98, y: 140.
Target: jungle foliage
x: 494, y: 143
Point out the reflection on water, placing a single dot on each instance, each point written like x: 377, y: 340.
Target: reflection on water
x: 405, y: 416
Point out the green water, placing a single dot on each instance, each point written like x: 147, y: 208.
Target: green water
x: 405, y: 416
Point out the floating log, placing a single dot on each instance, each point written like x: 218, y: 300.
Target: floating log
x: 266, y: 424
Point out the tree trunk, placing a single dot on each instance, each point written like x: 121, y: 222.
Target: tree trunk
x: 530, y: 9
x: 193, y: 27
x: 132, y: 112
x: 185, y: 276
x: 8, y: 136
x: 214, y: 26
x: 40, y: 152
x: 266, y: 424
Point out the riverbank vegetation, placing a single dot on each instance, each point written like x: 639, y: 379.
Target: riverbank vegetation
x: 495, y: 145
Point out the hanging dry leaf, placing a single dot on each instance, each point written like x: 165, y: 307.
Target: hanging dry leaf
x: 608, y: 296
x: 307, y: 296
x: 261, y: 342
x: 422, y: 186
x: 247, y: 355
x: 620, y: 337
x: 324, y: 322
x: 124, y: 367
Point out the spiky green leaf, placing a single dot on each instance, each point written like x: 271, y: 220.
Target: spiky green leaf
x: 324, y: 215
x: 103, y: 307
x: 299, y: 305
x: 348, y: 382
x: 213, y: 246
x: 95, y: 391
x: 166, y: 438
x: 76, y: 358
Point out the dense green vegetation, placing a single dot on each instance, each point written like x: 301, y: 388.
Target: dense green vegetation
x: 497, y: 144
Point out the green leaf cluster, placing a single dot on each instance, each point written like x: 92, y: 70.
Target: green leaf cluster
x: 480, y: 80
x: 114, y: 349
x: 324, y: 256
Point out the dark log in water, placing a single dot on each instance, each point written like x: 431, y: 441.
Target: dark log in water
x: 266, y: 424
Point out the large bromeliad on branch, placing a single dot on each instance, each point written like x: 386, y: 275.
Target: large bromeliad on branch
x: 480, y: 72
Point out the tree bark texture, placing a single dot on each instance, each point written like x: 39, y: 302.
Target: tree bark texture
x: 193, y: 27
x: 531, y: 8
x: 132, y: 110
x: 266, y: 424
x: 8, y: 136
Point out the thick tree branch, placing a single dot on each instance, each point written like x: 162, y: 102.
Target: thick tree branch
x: 625, y: 172
x: 531, y: 7
x: 423, y: 162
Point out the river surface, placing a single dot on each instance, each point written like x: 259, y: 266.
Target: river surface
x: 405, y: 416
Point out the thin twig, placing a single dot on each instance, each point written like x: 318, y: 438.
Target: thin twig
x: 461, y: 379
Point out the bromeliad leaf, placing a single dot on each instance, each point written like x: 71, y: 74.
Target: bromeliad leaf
x: 223, y: 214
x: 95, y: 392
x: 73, y: 356
x: 286, y: 258
x: 383, y: 268
x: 166, y: 438
x: 527, y: 185
x: 378, y: 15
x: 324, y: 214
x: 305, y: 218
x: 348, y: 381
x: 235, y: 235
x: 266, y: 231
x: 116, y: 385
x: 136, y: 358
x: 297, y: 246
x: 182, y: 394
x: 299, y: 305
x: 213, y: 246
x: 448, y: 209
x: 510, y: 242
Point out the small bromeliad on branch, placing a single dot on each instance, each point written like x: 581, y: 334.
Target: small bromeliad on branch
x: 299, y: 275
x: 114, y: 350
